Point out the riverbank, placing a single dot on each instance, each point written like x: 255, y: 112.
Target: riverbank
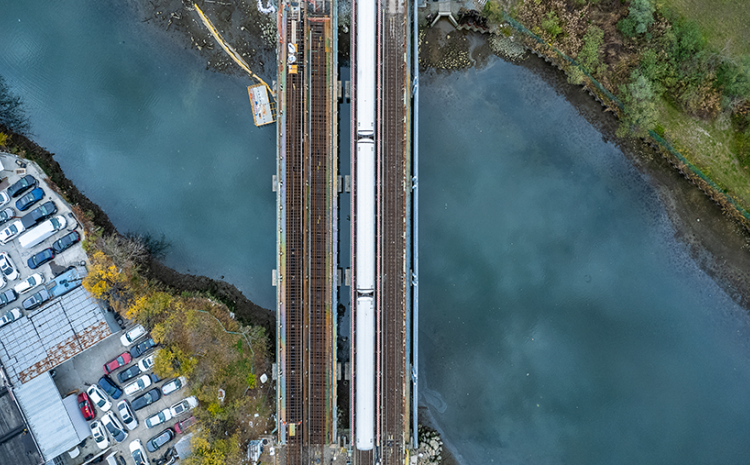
x: 718, y: 244
x: 246, y: 311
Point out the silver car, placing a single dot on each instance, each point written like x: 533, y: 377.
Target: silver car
x: 126, y: 413
x: 114, y: 427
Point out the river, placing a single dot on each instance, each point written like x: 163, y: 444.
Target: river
x: 561, y: 322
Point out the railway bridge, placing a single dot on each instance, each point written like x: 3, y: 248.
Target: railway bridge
x: 370, y: 416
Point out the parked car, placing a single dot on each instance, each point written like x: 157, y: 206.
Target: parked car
x: 184, y: 425
x: 146, y: 399
x: 6, y: 266
x: 159, y: 418
x: 36, y: 299
x: 139, y: 455
x: 65, y: 242
x: 44, y: 231
x: 113, y: 425
x: 138, y: 385
x: 41, y: 258
x: 4, y: 199
x: 120, y: 361
x: 185, y: 405
x: 29, y: 199
x: 142, y: 347
x: 109, y: 386
x: 146, y: 363
x: 6, y: 214
x: 29, y: 283
x: 10, y: 317
x: 132, y: 335
x: 100, y: 436
x: 39, y: 214
x: 7, y: 297
x: 129, y: 373
x: 11, y: 231
x: 87, y: 408
x: 22, y: 185
x: 162, y: 438
x: 173, y: 385
x: 99, y: 398
x: 128, y: 418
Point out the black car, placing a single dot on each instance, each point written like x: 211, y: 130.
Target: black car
x: 22, y: 185
x: 65, y: 242
x: 142, y: 347
x: 7, y: 214
x: 146, y: 399
x: 7, y: 297
x: 128, y: 374
x: 109, y: 386
x: 40, y: 258
x: 39, y: 214
x: 156, y: 442
x: 36, y: 300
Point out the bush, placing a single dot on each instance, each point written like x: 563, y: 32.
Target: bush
x: 588, y: 57
x: 639, y: 115
x: 551, y: 24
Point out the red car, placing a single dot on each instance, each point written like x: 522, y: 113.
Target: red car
x: 183, y: 425
x: 121, y: 360
x: 87, y: 408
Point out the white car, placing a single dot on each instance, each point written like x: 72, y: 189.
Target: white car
x: 4, y: 198
x: 159, y: 418
x: 138, y: 453
x: 100, y: 436
x: 185, y: 405
x: 131, y: 335
x: 11, y: 231
x: 6, y: 266
x: 126, y: 413
x: 146, y: 363
x: 99, y: 398
x: 137, y: 385
x: 29, y: 283
x: 10, y: 316
x: 114, y: 427
x: 173, y: 385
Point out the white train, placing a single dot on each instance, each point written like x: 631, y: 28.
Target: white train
x: 364, y: 428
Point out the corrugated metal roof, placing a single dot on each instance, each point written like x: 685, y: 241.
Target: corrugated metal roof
x: 47, y: 416
x: 63, y: 328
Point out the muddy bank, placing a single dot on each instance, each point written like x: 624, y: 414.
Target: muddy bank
x: 717, y: 243
x: 425, y: 420
x: 243, y: 26
x: 246, y: 311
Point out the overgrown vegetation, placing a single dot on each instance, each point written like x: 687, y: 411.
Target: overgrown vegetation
x: 198, y: 339
x: 650, y: 56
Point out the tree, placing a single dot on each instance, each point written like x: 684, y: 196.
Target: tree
x: 639, y: 115
x: 640, y: 17
x: 12, y: 114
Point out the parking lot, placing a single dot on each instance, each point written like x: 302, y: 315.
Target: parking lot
x: 19, y: 255
x: 85, y: 369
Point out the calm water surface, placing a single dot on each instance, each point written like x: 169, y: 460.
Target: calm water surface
x: 159, y: 142
x: 560, y: 322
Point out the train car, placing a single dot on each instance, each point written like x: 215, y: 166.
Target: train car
x: 365, y: 375
x: 366, y: 15
x: 365, y: 242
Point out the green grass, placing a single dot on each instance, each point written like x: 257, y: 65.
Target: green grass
x: 708, y: 145
x: 726, y: 23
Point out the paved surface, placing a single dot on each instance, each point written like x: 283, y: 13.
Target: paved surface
x: 18, y: 255
x: 85, y: 369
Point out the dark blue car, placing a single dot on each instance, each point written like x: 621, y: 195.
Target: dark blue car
x: 109, y: 386
x: 30, y: 199
x: 40, y: 258
x: 22, y: 185
x: 142, y: 347
x: 66, y: 241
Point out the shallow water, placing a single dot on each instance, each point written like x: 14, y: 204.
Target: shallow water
x: 560, y: 321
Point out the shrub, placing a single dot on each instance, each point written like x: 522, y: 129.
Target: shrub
x: 640, y: 17
x: 588, y: 57
x: 551, y: 24
x: 639, y: 115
